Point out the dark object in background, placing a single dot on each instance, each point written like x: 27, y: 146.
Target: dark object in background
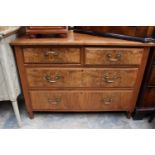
x: 146, y: 100
x: 133, y: 33
x: 152, y: 116
x: 46, y: 31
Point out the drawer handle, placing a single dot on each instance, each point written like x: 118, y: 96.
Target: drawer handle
x: 110, y: 79
x: 54, y: 101
x: 49, y: 79
x: 115, y: 59
x: 107, y: 101
x: 53, y: 53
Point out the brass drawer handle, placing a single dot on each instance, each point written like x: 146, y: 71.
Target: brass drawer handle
x: 115, y: 59
x: 49, y: 78
x: 54, y: 101
x: 107, y: 101
x: 53, y: 53
x: 110, y: 79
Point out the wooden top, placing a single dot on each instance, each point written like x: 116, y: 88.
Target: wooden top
x: 78, y: 39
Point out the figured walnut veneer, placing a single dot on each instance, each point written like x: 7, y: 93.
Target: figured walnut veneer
x: 80, y: 73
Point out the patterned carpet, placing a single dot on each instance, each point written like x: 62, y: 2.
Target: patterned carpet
x: 69, y: 120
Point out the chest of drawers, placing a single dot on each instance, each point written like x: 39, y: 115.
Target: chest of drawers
x: 80, y: 73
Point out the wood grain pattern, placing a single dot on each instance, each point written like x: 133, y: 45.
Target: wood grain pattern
x: 79, y: 77
x: 33, y: 31
x: 139, y: 79
x: 79, y: 39
x: 146, y: 99
x: 82, y: 87
x: 109, y: 77
x: 22, y: 74
x: 80, y: 100
x: 141, y: 31
x: 100, y: 56
x: 46, y: 27
x: 52, y: 55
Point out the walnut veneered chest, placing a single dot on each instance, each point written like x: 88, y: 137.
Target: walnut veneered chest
x: 80, y: 73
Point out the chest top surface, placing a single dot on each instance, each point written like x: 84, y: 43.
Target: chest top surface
x: 78, y: 39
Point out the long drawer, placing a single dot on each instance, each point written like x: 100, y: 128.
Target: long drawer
x: 105, y: 56
x: 81, y: 100
x: 80, y: 77
x: 52, y: 55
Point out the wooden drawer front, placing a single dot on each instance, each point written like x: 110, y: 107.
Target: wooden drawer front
x: 108, y: 100
x: 56, y: 100
x: 81, y: 100
x: 57, y: 77
x: 76, y: 77
x: 52, y: 55
x: 152, y: 77
x: 149, y: 98
x: 104, y: 56
x: 120, y: 77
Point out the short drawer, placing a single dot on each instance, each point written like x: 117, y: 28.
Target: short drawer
x: 152, y: 77
x: 105, y: 56
x: 52, y: 55
x: 78, y: 77
x: 81, y: 100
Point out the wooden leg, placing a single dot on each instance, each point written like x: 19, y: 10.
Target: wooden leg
x: 31, y: 116
x: 16, y: 111
x: 128, y: 114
